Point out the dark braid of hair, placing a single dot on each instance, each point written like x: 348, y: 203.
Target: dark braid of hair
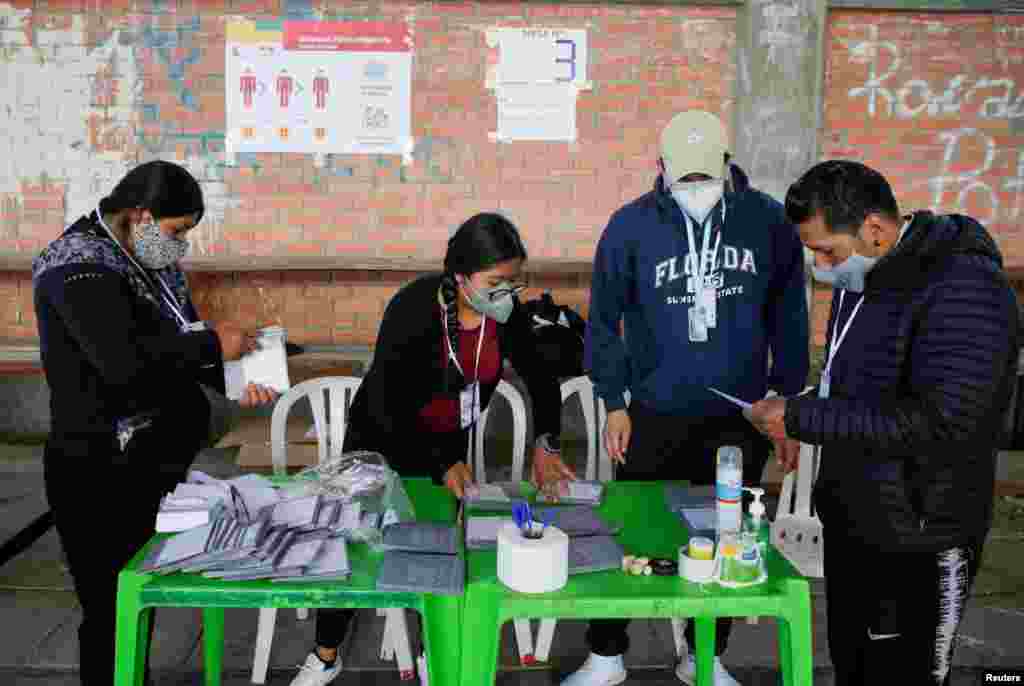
x: 449, y: 296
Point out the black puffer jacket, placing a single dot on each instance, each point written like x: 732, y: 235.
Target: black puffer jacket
x: 918, y: 391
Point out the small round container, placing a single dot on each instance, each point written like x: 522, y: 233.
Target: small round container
x: 694, y: 570
x: 701, y: 548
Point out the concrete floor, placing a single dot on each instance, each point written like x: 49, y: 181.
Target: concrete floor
x: 40, y: 615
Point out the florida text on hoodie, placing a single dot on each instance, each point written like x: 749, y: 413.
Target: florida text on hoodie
x: 642, y: 277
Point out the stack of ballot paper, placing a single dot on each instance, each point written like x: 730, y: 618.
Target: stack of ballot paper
x: 695, y: 505
x: 421, y: 557
x: 230, y: 548
x: 267, y: 366
x: 197, y: 501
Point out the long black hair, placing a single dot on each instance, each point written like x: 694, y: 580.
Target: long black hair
x: 164, y: 188
x: 482, y: 241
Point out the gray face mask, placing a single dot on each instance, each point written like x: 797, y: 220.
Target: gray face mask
x: 496, y: 302
x: 849, y: 275
x: 154, y: 249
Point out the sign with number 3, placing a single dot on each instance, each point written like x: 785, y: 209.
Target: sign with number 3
x: 541, y: 56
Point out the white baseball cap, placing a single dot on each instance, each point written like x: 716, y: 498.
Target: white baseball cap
x: 694, y: 142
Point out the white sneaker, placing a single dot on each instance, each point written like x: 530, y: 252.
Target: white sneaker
x: 315, y: 673
x: 686, y: 670
x: 598, y: 670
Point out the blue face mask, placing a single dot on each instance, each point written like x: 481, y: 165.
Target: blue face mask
x: 848, y: 275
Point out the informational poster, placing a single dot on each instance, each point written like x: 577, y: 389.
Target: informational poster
x: 536, y: 81
x: 319, y: 87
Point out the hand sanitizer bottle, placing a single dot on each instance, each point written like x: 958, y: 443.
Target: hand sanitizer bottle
x: 756, y: 523
x: 729, y: 490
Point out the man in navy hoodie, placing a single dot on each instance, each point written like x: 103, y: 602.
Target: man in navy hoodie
x: 707, y: 276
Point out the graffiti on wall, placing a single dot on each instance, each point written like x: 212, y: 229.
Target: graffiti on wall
x: 891, y: 90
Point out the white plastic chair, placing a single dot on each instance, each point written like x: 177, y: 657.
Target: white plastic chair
x: 476, y: 462
x: 475, y: 453
x: 797, y: 532
x: 599, y: 466
x: 330, y: 399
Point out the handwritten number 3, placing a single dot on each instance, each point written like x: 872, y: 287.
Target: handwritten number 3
x: 570, y: 60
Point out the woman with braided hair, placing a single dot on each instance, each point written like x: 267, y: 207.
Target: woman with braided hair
x: 438, y: 358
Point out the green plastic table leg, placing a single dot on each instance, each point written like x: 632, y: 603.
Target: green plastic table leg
x: 481, y: 636
x: 441, y: 617
x: 213, y: 644
x: 705, y: 630
x: 798, y: 619
x: 785, y: 651
x: 145, y: 619
x: 130, y: 644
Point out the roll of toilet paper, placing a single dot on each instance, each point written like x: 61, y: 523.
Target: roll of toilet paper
x: 533, y: 565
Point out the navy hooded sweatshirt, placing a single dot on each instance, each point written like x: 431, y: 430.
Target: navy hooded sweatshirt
x: 640, y: 278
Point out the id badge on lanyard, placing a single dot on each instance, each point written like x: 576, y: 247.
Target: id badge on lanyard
x: 703, y: 315
x: 469, y: 397
x: 825, y: 385
x: 469, y: 404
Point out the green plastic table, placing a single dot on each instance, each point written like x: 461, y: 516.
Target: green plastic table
x: 649, y: 529
x: 138, y: 593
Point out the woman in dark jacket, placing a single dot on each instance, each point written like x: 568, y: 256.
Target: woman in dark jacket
x: 124, y: 354
x: 923, y: 344
x: 438, y: 358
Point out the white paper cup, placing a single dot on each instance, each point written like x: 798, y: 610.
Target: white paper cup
x: 696, y: 571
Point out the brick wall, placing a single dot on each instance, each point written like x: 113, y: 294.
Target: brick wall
x: 932, y: 100
x: 152, y: 76
x: 936, y: 103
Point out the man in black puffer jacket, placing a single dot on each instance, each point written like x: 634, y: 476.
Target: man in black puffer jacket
x: 922, y: 351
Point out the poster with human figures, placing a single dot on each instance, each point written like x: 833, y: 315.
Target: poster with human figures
x: 319, y: 87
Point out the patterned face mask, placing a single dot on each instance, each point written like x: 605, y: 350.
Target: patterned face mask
x: 155, y: 249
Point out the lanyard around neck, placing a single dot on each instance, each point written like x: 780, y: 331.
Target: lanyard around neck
x: 167, y: 295
x: 702, y: 266
x: 451, y: 351
x: 837, y: 336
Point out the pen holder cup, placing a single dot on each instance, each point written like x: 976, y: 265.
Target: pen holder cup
x: 696, y: 571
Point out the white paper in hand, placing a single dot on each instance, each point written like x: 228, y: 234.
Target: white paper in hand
x: 267, y: 366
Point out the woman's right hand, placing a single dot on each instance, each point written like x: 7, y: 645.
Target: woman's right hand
x: 458, y: 478
x: 234, y: 342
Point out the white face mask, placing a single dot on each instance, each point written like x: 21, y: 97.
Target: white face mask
x: 698, y: 198
x: 848, y: 275
x: 154, y: 249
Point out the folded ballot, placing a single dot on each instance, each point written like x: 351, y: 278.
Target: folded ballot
x: 581, y: 492
x: 695, y: 505
x: 482, y: 532
x: 594, y: 554
x: 420, y: 537
x: 267, y: 366
x: 575, y: 520
x: 493, y: 496
x: 421, y: 573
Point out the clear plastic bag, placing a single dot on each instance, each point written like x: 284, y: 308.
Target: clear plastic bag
x: 366, y: 485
